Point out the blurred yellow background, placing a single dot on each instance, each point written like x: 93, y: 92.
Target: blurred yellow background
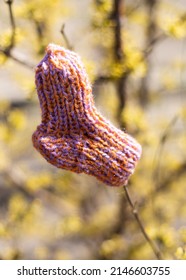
x: 135, y: 55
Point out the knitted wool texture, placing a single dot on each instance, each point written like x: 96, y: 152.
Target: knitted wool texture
x: 72, y: 134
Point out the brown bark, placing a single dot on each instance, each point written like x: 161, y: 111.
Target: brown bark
x: 118, y: 50
x: 150, y: 39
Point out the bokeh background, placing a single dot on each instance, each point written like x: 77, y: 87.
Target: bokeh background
x: 135, y: 55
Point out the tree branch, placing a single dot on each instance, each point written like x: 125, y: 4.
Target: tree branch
x: 7, y: 51
x: 63, y: 33
x: 147, y: 51
x: 162, y: 142
x: 13, y: 26
x: 155, y: 249
x: 17, y: 180
x: 16, y: 59
x: 130, y: 11
x: 116, y: 17
x: 164, y: 184
x: 121, y: 90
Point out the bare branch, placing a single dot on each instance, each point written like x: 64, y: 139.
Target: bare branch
x: 116, y: 17
x: 16, y: 59
x: 68, y: 45
x: 121, y: 90
x: 17, y: 179
x: 147, y: 51
x: 163, y: 139
x: 130, y: 11
x: 7, y: 51
x: 13, y: 26
x: 172, y: 177
x: 21, y: 62
x: 156, y: 250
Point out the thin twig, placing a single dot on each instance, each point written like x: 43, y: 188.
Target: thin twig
x: 12, y: 22
x: 159, y: 153
x: 149, y: 48
x: 17, y: 179
x: 156, y: 250
x: 16, y: 59
x: 67, y: 42
x: 21, y: 61
x: 7, y: 51
x: 162, y: 186
x: 132, y: 10
x: 145, y: 53
x: 13, y: 27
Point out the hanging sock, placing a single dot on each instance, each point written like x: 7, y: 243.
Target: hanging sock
x: 72, y: 134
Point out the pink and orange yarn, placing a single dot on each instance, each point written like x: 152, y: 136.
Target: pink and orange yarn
x: 72, y: 134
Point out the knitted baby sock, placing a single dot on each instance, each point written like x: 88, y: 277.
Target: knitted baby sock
x: 72, y: 134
